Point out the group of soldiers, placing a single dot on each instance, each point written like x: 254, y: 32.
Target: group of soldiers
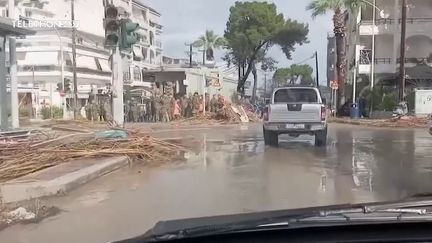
x: 98, y: 111
x: 165, y: 108
x: 161, y: 107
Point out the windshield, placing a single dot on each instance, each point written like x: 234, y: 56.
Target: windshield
x: 118, y: 114
x: 295, y: 95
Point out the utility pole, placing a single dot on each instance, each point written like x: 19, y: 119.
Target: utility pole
x: 402, y: 52
x: 265, y: 84
x: 316, y: 69
x: 372, y: 74
x: 13, y: 71
x: 118, y: 106
x: 4, y: 121
x: 75, y: 81
x: 190, y: 55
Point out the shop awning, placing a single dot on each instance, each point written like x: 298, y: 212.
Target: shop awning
x: 40, y: 59
x: 55, y: 77
x: 163, y: 76
x: 105, y: 65
x: 86, y: 62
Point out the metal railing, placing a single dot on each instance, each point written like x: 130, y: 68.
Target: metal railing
x: 397, y: 21
x: 415, y: 60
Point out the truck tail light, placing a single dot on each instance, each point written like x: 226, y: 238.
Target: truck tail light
x: 266, y: 113
x: 323, y: 113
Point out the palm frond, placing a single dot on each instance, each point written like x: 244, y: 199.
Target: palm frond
x: 321, y: 7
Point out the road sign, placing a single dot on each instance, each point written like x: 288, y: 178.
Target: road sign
x: 334, y: 85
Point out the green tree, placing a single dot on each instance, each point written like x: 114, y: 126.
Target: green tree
x: 254, y: 27
x: 267, y: 64
x: 340, y: 9
x: 210, y: 41
x: 284, y: 76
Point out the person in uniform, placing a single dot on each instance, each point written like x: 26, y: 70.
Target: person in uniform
x: 213, y: 103
x: 153, y: 108
x: 148, y: 113
x: 220, y: 103
x: 94, y: 110
x: 171, y: 106
x: 88, y: 111
x: 207, y: 102
x: 190, y: 105
x: 102, y: 112
x: 107, y: 110
x: 165, y: 100
x: 184, y: 106
x: 135, y: 111
x: 195, y: 104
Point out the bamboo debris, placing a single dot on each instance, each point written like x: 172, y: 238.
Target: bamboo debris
x: 19, y: 159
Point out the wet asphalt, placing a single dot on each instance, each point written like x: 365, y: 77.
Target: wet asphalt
x: 230, y: 170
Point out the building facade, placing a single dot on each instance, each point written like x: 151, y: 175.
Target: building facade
x: 45, y: 59
x: 147, y: 53
x: 385, y: 36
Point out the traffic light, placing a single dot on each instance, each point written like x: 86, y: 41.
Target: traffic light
x: 111, y: 26
x: 59, y: 87
x: 67, y: 85
x: 128, y: 35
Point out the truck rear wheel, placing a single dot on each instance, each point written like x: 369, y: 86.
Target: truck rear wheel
x: 270, y: 138
x: 321, y: 138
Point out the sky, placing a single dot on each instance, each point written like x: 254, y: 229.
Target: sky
x: 185, y: 20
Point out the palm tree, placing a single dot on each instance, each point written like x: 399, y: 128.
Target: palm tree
x: 210, y: 41
x: 340, y: 9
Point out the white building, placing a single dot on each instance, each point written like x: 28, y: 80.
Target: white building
x: 387, y: 32
x: 147, y: 53
x: 40, y: 56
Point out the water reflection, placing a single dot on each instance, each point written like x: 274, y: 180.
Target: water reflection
x: 356, y: 165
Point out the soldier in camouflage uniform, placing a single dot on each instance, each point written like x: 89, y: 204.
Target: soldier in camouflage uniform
x: 102, y: 112
x: 172, y: 104
x: 195, y: 104
x: 213, y: 104
x: 164, y: 108
x: 207, y: 102
x: 107, y: 110
x: 88, y: 111
x: 94, y: 109
x: 157, y: 108
x: 135, y: 111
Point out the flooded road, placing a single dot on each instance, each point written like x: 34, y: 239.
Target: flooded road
x: 231, y: 171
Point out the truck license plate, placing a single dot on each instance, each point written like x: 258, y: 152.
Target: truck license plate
x: 295, y: 126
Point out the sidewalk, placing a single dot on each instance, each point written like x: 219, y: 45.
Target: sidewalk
x: 58, y: 179
x: 404, y: 122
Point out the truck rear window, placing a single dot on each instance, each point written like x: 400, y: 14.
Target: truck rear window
x: 295, y: 95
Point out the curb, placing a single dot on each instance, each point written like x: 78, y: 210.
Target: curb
x: 21, y: 190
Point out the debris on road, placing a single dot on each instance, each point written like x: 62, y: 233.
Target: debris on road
x: 30, y: 212
x: 19, y: 159
x: 229, y: 114
x: 396, y: 122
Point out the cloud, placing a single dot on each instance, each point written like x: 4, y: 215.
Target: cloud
x: 186, y: 20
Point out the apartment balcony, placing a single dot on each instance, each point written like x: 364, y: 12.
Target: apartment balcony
x: 386, y: 26
x: 158, y: 45
x: 386, y: 64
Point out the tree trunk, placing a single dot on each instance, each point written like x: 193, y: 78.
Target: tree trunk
x: 339, y: 20
x: 255, y: 76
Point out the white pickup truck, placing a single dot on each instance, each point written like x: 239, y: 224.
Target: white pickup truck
x: 295, y: 111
